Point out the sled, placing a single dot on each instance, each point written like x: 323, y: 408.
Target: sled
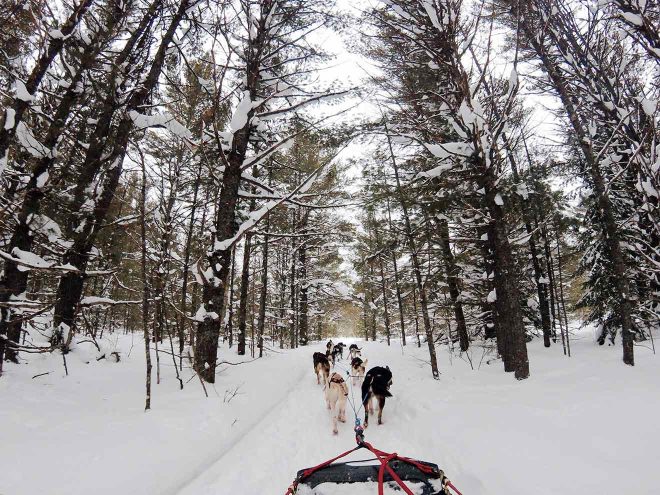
x: 397, y: 472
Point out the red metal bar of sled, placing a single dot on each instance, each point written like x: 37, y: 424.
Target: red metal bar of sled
x: 312, y: 470
x: 308, y: 472
x: 384, y: 459
x: 450, y: 485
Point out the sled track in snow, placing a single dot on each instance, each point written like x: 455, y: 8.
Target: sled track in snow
x: 227, y: 449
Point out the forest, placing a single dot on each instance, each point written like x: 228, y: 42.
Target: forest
x: 219, y: 181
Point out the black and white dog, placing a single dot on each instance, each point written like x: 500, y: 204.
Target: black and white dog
x: 354, y: 351
x: 321, y: 368
x: 337, y: 350
x: 376, y: 385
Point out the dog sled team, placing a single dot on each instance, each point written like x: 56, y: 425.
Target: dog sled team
x: 374, y: 384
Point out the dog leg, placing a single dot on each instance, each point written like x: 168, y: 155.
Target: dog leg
x: 381, y: 405
x: 334, y: 418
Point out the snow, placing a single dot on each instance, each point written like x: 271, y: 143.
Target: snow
x: 102, y: 301
x: 3, y: 161
x: 513, y: 80
x: 202, y: 314
x: 649, y: 106
x: 30, y: 143
x: 165, y: 120
x: 29, y: 259
x: 492, y: 296
x: 632, y: 18
x: 10, y: 118
x: 240, y: 117
x: 446, y: 150
x: 42, y: 179
x: 21, y: 91
x: 48, y: 227
x: 584, y: 425
x: 432, y: 14
x: 435, y: 172
x: 56, y: 34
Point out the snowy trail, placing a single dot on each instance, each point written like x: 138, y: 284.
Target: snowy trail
x: 297, y: 432
x: 586, y: 425
x: 291, y: 436
x: 204, y: 470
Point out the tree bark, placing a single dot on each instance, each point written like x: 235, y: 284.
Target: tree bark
x: 396, y: 280
x: 303, y: 304
x: 264, y: 289
x: 386, y: 310
x: 453, y: 282
x: 243, y: 297
x: 145, y: 290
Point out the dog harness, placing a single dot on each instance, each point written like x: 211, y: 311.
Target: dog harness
x: 336, y: 378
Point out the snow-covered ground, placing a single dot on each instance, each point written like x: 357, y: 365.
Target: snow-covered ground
x: 585, y: 425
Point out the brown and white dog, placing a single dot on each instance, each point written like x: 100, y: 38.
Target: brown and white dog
x: 335, y: 397
x: 358, y: 367
x: 321, y: 367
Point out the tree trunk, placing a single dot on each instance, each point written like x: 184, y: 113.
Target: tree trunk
x: 371, y: 306
x: 302, y: 295
x: 385, y: 303
x: 243, y: 297
x: 264, y: 289
x: 509, y: 314
x: 145, y: 290
x: 186, y: 262
x: 399, y: 299
x: 292, y: 311
x: 396, y: 280
x: 539, y: 276
x: 561, y: 298
x: 452, y: 281
x: 416, y: 268
x: 419, y: 342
